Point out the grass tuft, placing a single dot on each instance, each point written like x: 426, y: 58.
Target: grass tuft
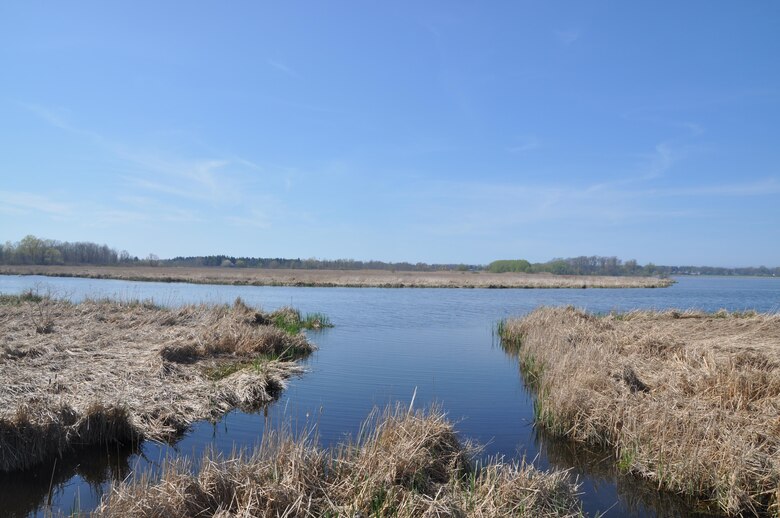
x: 316, y: 321
x: 404, y: 464
x: 16, y: 300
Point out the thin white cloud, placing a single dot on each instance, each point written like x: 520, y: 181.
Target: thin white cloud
x: 47, y: 115
x: 694, y: 128
x: 267, y: 211
x: 56, y: 119
x: 109, y: 217
x: 282, y: 67
x: 769, y: 186
x: 212, y: 179
x: 661, y: 161
x: 567, y: 37
x: 163, y: 187
x: 256, y: 218
x: 201, y: 179
x: 183, y: 190
x: 654, y: 165
x: 523, y: 144
x: 273, y: 100
x: 129, y: 209
x: 159, y: 211
x: 12, y: 211
x: 493, y: 209
x: 248, y: 163
x: 17, y: 201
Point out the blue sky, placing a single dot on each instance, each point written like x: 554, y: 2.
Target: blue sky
x: 418, y: 131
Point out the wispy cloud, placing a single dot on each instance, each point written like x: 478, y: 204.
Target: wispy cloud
x: 766, y: 187
x: 248, y: 163
x: 214, y: 180
x: 50, y: 116
x: 282, y: 67
x: 155, y: 186
x: 269, y: 211
x: 653, y: 165
x: 660, y: 161
x: 255, y: 218
x: 480, y: 209
x: 25, y: 202
x: 694, y: 128
x: 58, y: 120
x: 658, y: 116
x: 109, y: 217
x: 158, y: 211
x: 125, y: 209
x: 568, y: 36
x: 704, y: 101
x: 525, y: 143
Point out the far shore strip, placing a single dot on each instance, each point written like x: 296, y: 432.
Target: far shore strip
x: 338, y: 278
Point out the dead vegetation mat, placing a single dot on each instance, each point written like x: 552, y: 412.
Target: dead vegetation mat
x: 403, y: 464
x: 690, y: 400
x: 103, y: 371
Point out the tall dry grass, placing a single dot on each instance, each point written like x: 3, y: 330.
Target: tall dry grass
x: 689, y: 400
x: 338, y: 278
x: 106, y: 371
x: 404, y: 464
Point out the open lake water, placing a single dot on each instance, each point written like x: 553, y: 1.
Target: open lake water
x: 387, y: 346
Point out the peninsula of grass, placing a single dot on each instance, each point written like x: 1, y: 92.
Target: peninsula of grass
x: 403, y: 464
x: 338, y: 278
x: 689, y: 400
x: 102, y: 371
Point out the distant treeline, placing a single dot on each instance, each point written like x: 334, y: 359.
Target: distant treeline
x: 593, y: 265
x: 310, y: 264
x: 759, y: 271
x: 598, y: 265
x: 33, y: 250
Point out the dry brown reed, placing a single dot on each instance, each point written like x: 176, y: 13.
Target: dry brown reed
x: 338, y: 278
x: 689, y: 400
x: 112, y: 371
x: 404, y: 464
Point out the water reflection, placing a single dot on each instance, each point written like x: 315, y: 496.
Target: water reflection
x: 68, y: 484
x: 611, y: 491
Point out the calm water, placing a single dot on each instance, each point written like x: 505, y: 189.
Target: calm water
x: 387, y: 345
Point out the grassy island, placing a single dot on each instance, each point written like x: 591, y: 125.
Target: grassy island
x: 338, y: 278
x: 689, y: 400
x: 101, y: 371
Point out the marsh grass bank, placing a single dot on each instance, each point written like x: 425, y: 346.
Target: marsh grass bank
x: 688, y: 400
x: 338, y: 278
x: 404, y: 464
x: 102, y: 371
